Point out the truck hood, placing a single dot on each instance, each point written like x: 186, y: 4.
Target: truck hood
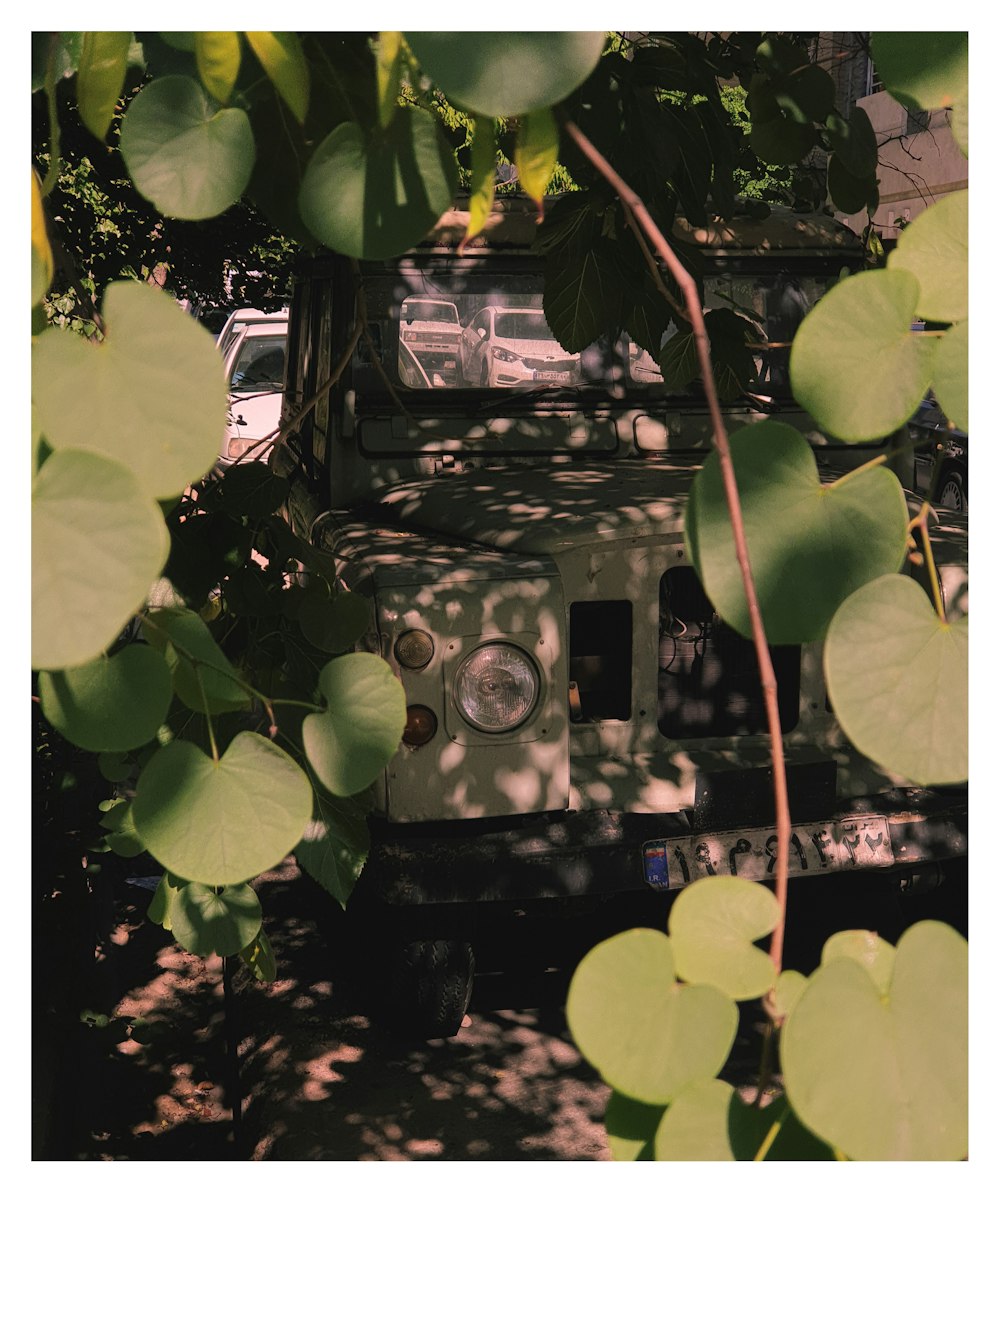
x: 546, y: 512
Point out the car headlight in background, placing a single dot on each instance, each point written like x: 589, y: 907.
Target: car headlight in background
x: 501, y: 354
x: 496, y: 687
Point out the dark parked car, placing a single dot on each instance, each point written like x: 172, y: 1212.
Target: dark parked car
x: 939, y: 444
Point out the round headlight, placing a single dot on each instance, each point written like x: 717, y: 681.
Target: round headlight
x: 496, y: 687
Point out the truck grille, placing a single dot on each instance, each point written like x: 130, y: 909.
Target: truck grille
x: 708, y: 683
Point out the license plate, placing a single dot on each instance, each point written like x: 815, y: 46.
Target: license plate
x: 860, y: 843
x: 554, y: 376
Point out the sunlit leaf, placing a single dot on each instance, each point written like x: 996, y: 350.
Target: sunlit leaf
x: 151, y: 396
x: 111, y: 703
x: 536, y: 153
x: 645, y: 1033
x: 935, y: 249
x: 372, y: 198
x: 874, y: 954
x: 388, y: 73
x: 217, y: 55
x: 206, y: 921
x: 923, y: 69
x: 855, y: 365
x: 884, y: 1077
x: 163, y: 900
x: 221, y: 823
x: 101, y: 77
x: 352, y: 740
x: 41, y: 250
x: 204, y: 678
x: 506, y: 73
x: 951, y: 374
x: 787, y: 990
x: 259, y: 958
x: 281, y: 55
x: 810, y: 544
x: 334, y: 847
x: 713, y: 924
x: 483, y: 169
x: 189, y: 157
x: 631, y: 1127
x: 122, y: 837
x: 909, y: 708
x: 97, y: 544
x: 695, y: 1126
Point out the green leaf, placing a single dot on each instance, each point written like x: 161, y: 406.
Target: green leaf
x: 506, y: 73
x: 259, y: 958
x: 123, y: 838
x: 163, y: 900
x: 334, y: 847
x: 695, y: 1126
x: 935, y: 249
x: 189, y: 157
x: 41, y: 250
x: 951, y: 374
x: 221, y: 823
x: 389, y: 58
x: 206, y: 921
x: 855, y: 364
x: 787, y: 990
x: 810, y: 544
x: 101, y: 77
x: 97, y: 544
x: 780, y: 141
x: 249, y: 491
x: 874, y: 954
x: 536, y: 153
x: 850, y: 193
x: 217, y: 55
x: 151, y: 396
x: 482, y: 184
x: 678, y: 361
x: 373, y: 198
x: 909, y: 708
x: 333, y: 623
x: 884, y: 1077
x: 713, y: 924
x: 750, y: 1126
x: 352, y: 740
x: 115, y: 767
x: 202, y: 674
x: 645, y: 1033
x: 111, y: 703
x: 631, y: 1127
x: 853, y: 141
x: 923, y: 70
x: 584, y: 294
x: 281, y: 55
x: 732, y: 359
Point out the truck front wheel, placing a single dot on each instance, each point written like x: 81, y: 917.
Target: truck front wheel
x: 423, y: 987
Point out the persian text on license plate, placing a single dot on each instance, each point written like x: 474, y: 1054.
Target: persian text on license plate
x: 860, y: 843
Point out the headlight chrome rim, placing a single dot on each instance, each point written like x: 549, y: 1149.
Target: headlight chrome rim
x: 514, y: 671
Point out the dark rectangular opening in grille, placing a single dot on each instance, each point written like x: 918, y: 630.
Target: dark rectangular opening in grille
x: 600, y: 660
x: 708, y: 680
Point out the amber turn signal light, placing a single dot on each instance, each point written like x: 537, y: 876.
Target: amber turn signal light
x: 421, y: 725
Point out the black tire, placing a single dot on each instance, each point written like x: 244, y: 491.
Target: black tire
x: 952, y: 493
x: 484, y: 375
x: 423, y: 986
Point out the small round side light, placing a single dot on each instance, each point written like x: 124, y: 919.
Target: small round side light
x: 421, y: 725
x: 414, y: 649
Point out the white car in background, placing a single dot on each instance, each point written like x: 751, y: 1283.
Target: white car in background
x: 430, y: 334
x: 253, y: 346
x: 506, y: 346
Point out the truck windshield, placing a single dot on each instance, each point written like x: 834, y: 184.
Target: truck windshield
x: 442, y: 325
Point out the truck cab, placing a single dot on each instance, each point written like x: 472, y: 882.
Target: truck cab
x: 582, y: 726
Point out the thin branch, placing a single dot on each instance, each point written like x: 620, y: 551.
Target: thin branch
x: 769, y: 683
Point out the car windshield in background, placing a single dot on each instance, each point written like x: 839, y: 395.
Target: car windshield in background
x: 441, y: 327
x: 260, y: 366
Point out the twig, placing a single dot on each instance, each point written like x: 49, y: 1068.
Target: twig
x: 769, y: 683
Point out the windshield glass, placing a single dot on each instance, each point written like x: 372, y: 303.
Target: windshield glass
x: 445, y: 324
x: 260, y: 365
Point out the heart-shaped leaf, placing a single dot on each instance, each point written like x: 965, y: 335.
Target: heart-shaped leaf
x: 781, y: 141
x: 645, y: 1033
x: 810, y: 544
x: 111, y: 703
x: 352, y: 740
x: 204, y: 678
x: 909, y: 708
x: 151, y: 396
x: 372, y: 198
x: 713, y: 924
x: 221, y: 823
x: 856, y: 365
x: 115, y: 767
x: 333, y: 623
x: 850, y: 193
x: 695, y: 1126
x: 853, y: 141
x: 884, y: 1077
x: 123, y: 838
x: 189, y: 157
x: 334, y: 847
x: 217, y: 55
x: 100, y: 78
x: 506, y: 73
x: 97, y: 543
x: 631, y: 1128
x: 787, y: 991
x: 951, y: 374
x: 935, y: 249
x: 224, y: 921
x: 281, y: 55
x: 923, y: 69
x: 874, y: 954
